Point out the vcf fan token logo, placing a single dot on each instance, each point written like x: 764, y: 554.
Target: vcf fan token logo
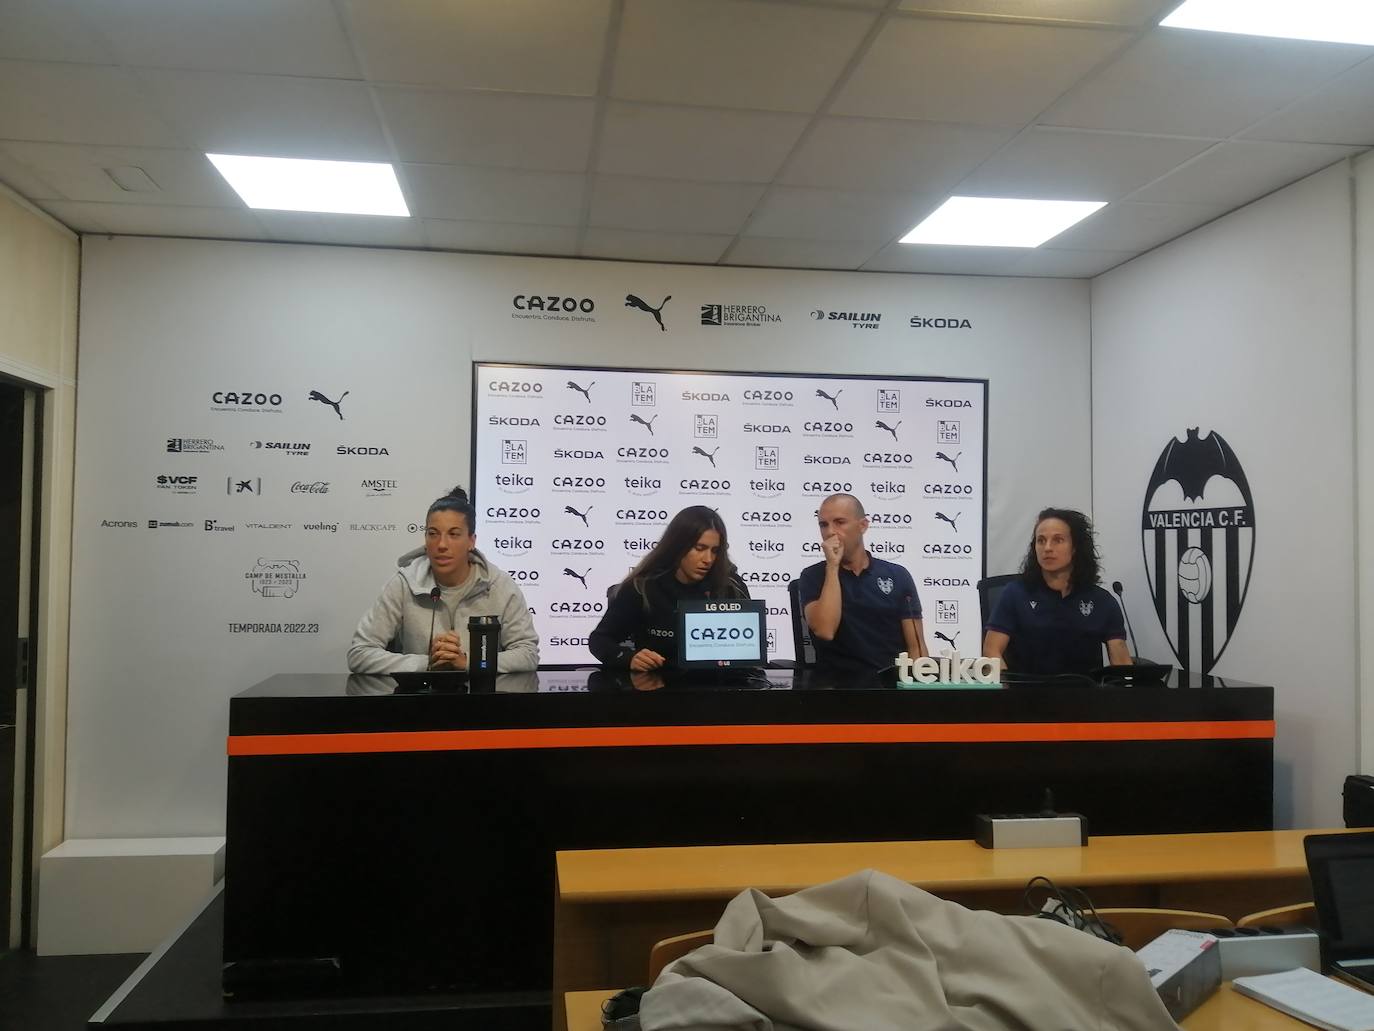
x: 1198, y: 530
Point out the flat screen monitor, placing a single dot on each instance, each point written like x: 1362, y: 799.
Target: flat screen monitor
x: 722, y: 634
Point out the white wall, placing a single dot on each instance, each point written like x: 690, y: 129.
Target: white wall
x: 1364, y: 447
x: 1245, y: 327
x: 166, y: 323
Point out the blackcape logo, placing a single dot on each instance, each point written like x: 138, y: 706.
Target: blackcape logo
x: 1198, y: 538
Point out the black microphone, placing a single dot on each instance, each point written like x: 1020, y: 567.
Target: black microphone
x: 1121, y: 598
x: 434, y: 596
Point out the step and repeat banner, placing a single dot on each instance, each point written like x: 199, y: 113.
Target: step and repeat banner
x: 577, y: 470
x: 261, y: 429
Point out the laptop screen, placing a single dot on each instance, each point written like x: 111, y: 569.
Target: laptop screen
x: 1342, y: 871
x: 717, y: 634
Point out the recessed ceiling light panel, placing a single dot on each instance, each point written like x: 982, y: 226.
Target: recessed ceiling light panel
x: 298, y: 184
x: 1324, y: 21
x: 1000, y: 221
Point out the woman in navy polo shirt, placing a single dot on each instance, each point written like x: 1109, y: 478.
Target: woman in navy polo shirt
x: 1056, y: 618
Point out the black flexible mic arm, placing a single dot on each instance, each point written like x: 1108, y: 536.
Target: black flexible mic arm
x: 1116, y: 589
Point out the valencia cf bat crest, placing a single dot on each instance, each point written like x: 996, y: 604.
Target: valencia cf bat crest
x: 1198, y: 535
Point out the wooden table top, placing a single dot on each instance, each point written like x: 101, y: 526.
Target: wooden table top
x: 627, y: 875
x: 1226, y: 1010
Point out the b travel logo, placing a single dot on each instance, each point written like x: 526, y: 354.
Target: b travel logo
x: 1198, y: 540
x: 553, y: 308
x: 747, y: 315
x: 851, y: 319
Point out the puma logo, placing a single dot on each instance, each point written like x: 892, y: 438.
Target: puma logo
x: 952, y: 522
x: 709, y: 456
x: 584, y: 391
x: 580, y: 577
x: 952, y: 461
x: 890, y: 429
x: 580, y: 515
x: 315, y: 395
x: 834, y: 399
x: 647, y: 425
x: 948, y: 640
x: 631, y: 301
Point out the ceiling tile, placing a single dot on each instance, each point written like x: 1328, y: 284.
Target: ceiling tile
x: 532, y: 46
x: 1130, y: 226
x: 270, y: 115
x: 51, y: 30
x: 698, y: 249
x: 968, y: 261
x: 356, y: 230
x: 1070, y: 264
x: 734, y: 53
x: 23, y: 180
x: 985, y: 73
x: 287, y: 37
x: 1237, y: 172
x: 800, y: 213
x: 873, y: 154
x: 509, y: 130
x: 775, y: 253
x: 70, y: 103
x: 1340, y: 112
x: 501, y: 237
x: 1066, y: 164
x: 78, y: 173
x: 1129, y: 13
x: 493, y: 195
x: 154, y: 220
x: 1200, y: 83
x: 666, y: 206
x: 696, y: 143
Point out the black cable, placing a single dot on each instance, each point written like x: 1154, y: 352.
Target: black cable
x: 1074, y: 902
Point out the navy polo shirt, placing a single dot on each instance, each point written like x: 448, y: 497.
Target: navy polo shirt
x: 1053, y: 633
x: 874, y: 603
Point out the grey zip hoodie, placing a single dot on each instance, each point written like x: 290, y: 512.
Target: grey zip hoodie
x: 393, y: 635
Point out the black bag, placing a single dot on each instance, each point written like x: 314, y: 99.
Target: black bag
x: 1359, y: 801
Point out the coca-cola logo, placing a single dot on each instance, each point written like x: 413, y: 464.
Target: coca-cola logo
x: 318, y: 487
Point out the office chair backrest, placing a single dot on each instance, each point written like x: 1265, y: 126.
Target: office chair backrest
x: 989, y: 590
x: 801, y: 633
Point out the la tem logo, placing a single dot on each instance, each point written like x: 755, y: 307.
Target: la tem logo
x: 1198, y: 538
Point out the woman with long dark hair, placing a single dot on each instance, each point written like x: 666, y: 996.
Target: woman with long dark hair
x: 1056, y: 617
x: 690, y: 561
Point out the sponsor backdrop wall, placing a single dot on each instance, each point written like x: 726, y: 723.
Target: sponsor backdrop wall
x: 579, y: 496
x: 1236, y: 544
x: 285, y: 414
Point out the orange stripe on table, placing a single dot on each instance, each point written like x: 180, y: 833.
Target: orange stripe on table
x: 762, y: 734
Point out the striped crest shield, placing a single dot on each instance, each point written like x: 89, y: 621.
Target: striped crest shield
x: 1198, y: 536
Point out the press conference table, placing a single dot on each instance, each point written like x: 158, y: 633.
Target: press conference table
x: 383, y: 843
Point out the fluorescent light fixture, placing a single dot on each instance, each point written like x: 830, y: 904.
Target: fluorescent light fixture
x: 1000, y: 221
x: 298, y: 184
x: 1326, y: 21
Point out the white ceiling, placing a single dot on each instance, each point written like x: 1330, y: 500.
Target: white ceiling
x: 786, y: 133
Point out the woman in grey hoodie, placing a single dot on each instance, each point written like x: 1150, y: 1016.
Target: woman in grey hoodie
x: 443, y: 583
